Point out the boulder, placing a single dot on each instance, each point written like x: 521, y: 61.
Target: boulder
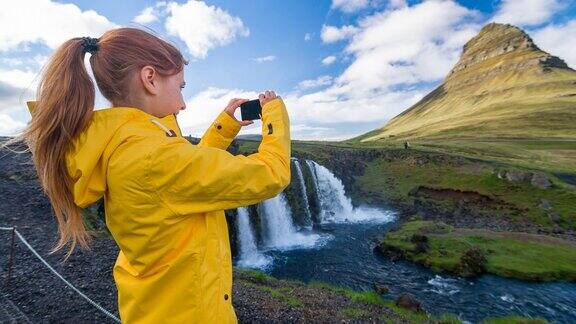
x: 539, y: 180
x: 420, y: 243
x: 408, y: 301
x: 516, y: 176
x: 472, y: 263
x: 545, y: 204
x: 381, y: 288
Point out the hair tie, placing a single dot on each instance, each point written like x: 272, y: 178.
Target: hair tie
x: 90, y: 44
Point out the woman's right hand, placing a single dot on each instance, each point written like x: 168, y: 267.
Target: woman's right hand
x: 266, y: 97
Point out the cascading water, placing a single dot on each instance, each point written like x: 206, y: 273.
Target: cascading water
x: 303, y: 192
x: 249, y: 254
x: 335, y: 206
x: 278, y: 230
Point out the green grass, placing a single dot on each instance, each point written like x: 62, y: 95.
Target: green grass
x: 522, y: 256
x: 514, y: 320
x: 282, y: 294
x: 371, y: 298
x: 393, y: 180
x: 263, y: 282
x: 546, y: 154
x: 256, y: 276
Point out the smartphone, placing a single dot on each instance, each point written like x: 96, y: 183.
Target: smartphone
x: 251, y: 110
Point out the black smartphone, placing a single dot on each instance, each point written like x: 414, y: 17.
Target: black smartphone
x: 251, y: 110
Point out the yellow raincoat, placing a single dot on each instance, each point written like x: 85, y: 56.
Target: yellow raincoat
x: 164, y: 200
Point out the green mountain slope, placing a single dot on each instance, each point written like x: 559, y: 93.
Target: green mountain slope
x: 503, y: 86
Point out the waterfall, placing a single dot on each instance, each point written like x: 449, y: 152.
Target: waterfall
x: 250, y: 257
x: 313, y: 172
x: 335, y: 206
x: 303, y: 192
x: 278, y: 230
x: 276, y: 226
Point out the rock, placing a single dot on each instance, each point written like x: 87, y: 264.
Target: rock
x: 390, y: 251
x: 408, y: 301
x: 545, y: 204
x: 552, y: 215
x: 381, y: 288
x: 539, y: 180
x: 517, y: 176
x: 557, y: 230
x: 472, y: 263
x: 420, y: 242
x: 555, y: 217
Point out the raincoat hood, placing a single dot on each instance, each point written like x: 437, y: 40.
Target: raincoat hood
x: 87, y: 159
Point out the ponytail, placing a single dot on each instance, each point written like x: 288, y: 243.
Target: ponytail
x: 65, y: 102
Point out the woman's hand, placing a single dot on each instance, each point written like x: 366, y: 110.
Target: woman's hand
x: 231, y: 108
x: 236, y: 102
x: 266, y: 96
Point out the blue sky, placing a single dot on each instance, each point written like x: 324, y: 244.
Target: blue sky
x: 342, y: 67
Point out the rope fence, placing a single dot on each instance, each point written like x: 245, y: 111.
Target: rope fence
x: 16, y: 233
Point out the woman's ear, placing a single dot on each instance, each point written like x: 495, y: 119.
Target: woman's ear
x: 149, y: 79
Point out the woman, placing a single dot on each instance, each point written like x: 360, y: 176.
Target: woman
x: 164, y: 197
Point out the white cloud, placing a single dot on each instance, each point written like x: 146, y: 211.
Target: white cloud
x: 329, y: 60
x: 203, y: 27
x: 47, y: 22
x: 331, y: 34
x: 392, y: 53
x: 308, y: 132
x: 308, y: 36
x: 150, y: 14
x: 527, y: 12
x: 398, y: 4
x: 13, y: 61
x: 553, y: 39
x: 265, y: 58
x: 9, y: 126
x: 12, y: 98
x: 349, y: 6
x: 320, y: 81
x: 203, y: 108
x: 40, y: 60
x: 19, y: 78
x: 147, y: 15
x: 408, y: 46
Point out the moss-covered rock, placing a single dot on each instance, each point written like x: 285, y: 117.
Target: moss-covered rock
x: 472, y: 252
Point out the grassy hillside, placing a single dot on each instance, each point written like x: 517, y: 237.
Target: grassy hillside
x: 502, y: 87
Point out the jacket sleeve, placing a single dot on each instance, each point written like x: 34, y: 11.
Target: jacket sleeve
x: 221, y: 133
x: 191, y: 178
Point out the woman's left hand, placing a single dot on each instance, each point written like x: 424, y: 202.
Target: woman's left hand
x: 231, y: 108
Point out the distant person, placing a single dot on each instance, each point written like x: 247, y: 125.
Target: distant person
x: 164, y: 196
x: 406, y: 145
